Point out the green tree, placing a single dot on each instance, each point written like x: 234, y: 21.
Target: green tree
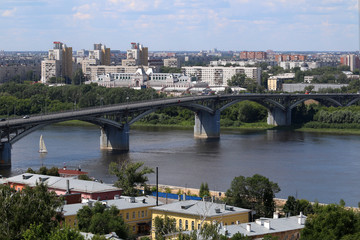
x: 100, y: 219
x: 239, y: 236
x: 269, y: 237
x: 20, y: 209
x: 256, y: 192
x: 237, y: 80
x: 331, y: 222
x: 204, y: 190
x: 65, y: 233
x: 164, y: 226
x: 78, y: 77
x: 130, y: 175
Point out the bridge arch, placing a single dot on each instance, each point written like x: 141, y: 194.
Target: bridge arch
x: 319, y: 99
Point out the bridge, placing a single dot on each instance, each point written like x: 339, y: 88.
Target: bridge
x: 115, y: 120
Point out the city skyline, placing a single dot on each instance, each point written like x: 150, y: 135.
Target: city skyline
x: 180, y: 25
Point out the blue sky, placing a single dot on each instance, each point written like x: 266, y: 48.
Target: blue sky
x: 280, y: 25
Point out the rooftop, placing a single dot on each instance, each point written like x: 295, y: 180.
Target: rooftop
x: 60, y: 183
x: 192, y: 207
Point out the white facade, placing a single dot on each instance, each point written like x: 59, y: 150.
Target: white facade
x: 141, y: 78
x: 171, y: 62
x: 49, y: 69
x: 219, y: 76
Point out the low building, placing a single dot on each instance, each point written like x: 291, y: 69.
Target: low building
x: 62, y: 186
x: 283, y: 228
x: 274, y: 83
x: 191, y: 215
x: 299, y: 87
x: 135, y: 211
x: 64, y: 172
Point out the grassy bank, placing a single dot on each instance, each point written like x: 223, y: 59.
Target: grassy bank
x: 330, y: 130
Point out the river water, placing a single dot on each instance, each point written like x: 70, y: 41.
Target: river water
x: 313, y: 166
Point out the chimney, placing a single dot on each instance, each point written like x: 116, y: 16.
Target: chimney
x: 248, y: 227
x: 275, y: 215
x: 301, y: 219
x: 267, y: 224
x: 116, y: 197
x: 67, y: 186
x: 184, y: 196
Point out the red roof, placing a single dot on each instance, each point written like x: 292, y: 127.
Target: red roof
x: 72, y: 172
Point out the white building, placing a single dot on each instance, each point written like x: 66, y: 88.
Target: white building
x: 219, y: 76
x: 171, y: 62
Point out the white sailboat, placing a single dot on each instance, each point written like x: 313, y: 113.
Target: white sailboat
x: 42, y: 147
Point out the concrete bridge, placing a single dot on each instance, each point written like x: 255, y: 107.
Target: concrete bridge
x: 115, y: 120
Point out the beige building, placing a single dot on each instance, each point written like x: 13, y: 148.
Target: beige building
x: 137, y: 55
x: 171, y: 62
x: 274, y: 83
x: 101, y: 54
x: 58, y: 64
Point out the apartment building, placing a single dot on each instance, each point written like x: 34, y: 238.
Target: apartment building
x: 219, y: 76
x: 58, y: 64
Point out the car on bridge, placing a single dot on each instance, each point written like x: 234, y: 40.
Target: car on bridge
x: 26, y: 117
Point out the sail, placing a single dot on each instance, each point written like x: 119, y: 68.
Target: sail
x: 42, y: 147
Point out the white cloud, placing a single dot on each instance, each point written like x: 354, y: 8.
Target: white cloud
x: 82, y: 16
x: 9, y: 13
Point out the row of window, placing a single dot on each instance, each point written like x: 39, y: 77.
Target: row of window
x: 187, y: 225
x: 143, y: 214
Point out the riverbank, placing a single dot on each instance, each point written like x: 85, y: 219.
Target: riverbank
x: 245, y: 126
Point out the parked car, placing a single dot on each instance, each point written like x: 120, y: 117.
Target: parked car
x: 26, y: 116
x: 2, y: 119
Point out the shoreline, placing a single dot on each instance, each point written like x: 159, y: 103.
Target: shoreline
x: 246, y: 127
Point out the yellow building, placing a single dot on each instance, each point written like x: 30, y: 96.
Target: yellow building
x: 135, y: 211
x: 191, y: 215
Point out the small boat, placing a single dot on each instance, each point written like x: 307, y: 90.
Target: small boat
x: 42, y: 147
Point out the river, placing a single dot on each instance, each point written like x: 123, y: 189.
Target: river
x: 314, y: 166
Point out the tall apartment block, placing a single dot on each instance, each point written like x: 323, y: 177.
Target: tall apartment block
x: 351, y: 60
x: 136, y: 56
x: 58, y: 64
x: 101, y: 54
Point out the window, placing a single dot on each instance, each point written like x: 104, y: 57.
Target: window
x: 146, y: 213
x: 142, y: 213
x: 192, y: 225
x: 134, y: 228
x: 180, y: 224
x: 198, y: 225
x: 127, y: 216
x: 186, y: 224
x: 138, y: 214
x: 134, y: 214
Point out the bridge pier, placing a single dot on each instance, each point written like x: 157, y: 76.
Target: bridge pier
x: 5, y: 155
x: 113, y: 138
x: 207, y: 125
x: 279, y: 117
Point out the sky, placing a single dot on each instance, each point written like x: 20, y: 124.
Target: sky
x: 181, y: 25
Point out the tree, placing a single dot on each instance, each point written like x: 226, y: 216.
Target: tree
x: 78, y: 77
x: 256, y: 192
x: 237, y: 80
x: 129, y: 175
x: 20, y: 209
x: 36, y: 232
x: 239, y: 236
x: 331, y: 222
x: 164, y: 226
x: 100, y: 219
x: 204, y: 190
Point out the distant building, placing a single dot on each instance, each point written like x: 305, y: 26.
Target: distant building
x: 219, y: 76
x: 253, y: 55
x: 136, y: 56
x: 191, y: 214
x: 64, y: 172
x: 299, y: 87
x: 290, y: 57
x: 350, y: 60
x: 101, y: 54
x: 58, y: 64
x: 171, y: 62
x: 274, y: 83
